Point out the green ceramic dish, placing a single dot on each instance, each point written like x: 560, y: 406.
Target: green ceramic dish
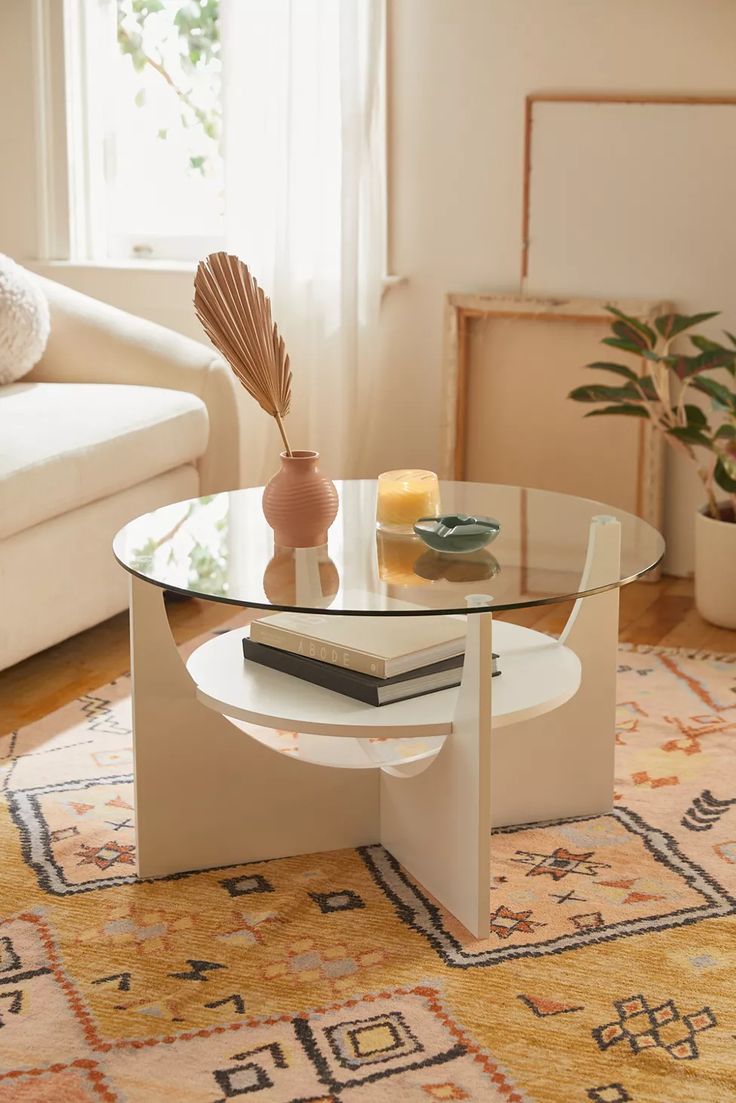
x: 472, y: 567
x: 457, y: 534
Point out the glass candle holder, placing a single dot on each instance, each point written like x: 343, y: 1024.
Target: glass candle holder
x: 404, y: 497
x: 397, y: 555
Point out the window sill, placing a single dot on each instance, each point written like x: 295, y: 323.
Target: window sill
x: 160, y: 267
x: 165, y: 266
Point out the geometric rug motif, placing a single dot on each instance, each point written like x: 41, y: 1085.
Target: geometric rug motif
x: 607, y: 977
x: 403, y: 1039
x: 605, y: 877
x: 77, y: 835
x: 645, y: 1027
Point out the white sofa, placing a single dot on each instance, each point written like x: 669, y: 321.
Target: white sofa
x: 119, y: 417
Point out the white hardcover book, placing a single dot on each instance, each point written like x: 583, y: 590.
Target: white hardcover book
x: 381, y: 646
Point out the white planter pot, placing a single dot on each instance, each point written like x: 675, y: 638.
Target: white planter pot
x: 715, y: 570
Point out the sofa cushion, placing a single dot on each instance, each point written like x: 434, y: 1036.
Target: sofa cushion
x: 24, y: 320
x: 65, y: 444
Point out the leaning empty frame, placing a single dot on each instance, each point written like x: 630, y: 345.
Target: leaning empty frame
x: 604, y: 135
x: 509, y: 365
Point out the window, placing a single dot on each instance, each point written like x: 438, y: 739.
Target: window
x: 144, y: 123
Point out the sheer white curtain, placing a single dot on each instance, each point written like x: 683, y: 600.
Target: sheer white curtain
x: 305, y: 205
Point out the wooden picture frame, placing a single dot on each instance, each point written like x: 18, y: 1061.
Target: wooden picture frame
x: 463, y: 314
x: 568, y: 98
x: 592, y: 224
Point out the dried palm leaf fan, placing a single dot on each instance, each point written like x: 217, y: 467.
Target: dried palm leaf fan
x: 236, y: 316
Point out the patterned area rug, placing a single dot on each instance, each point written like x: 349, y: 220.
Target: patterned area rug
x: 609, y: 975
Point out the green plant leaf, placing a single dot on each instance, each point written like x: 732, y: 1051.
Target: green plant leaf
x: 669, y: 325
x: 618, y: 369
x: 130, y: 42
x: 725, y: 432
x: 656, y: 357
x: 630, y: 333
x: 646, y: 384
x: 723, y: 396
x: 634, y: 323
x: 602, y: 392
x: 717, y: 358
x: 620, y: 343
x: 690, y: 435
x: 685, y: 367
x: 680, y: 367
x: 695, y: 417
x: 628, y: 411
x: 704, y: 343
x: 726, y: 479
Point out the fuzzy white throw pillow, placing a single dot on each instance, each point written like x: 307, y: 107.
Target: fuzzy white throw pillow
x: 24, y: 320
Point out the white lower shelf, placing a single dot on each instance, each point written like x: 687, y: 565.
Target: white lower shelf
x: 538, y: 675
x: 380, y: 752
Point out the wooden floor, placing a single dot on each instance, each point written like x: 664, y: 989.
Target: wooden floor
x: 651, y: 613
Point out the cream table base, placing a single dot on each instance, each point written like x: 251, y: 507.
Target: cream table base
x: 207, y: 795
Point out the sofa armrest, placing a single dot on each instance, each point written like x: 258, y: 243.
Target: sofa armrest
x: 93, y: 342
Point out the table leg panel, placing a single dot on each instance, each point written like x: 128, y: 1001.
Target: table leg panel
x: 437, y: 823
x: 206, y: 795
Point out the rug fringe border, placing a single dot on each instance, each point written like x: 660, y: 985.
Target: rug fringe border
x: 682, y: 652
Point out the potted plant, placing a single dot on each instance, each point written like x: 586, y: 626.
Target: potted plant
x: 299, y: 502
x: 663, y: 388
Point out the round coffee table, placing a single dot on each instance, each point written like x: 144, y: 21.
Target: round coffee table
x: 237, y: 762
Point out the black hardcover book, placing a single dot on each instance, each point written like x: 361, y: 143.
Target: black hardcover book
x: 352, y: 683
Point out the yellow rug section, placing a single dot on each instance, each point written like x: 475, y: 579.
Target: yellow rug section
x: 608, y: 976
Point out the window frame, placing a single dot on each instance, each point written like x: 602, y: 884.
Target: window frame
x: 70, y: 159
x: 52, y: 154
x: 58, y: 227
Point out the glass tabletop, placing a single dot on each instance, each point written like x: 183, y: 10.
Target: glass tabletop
x: 221, y: 548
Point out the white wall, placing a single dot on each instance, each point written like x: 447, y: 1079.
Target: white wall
x: 18, y: 183
x: 460, y: 70
x: 667, y: 232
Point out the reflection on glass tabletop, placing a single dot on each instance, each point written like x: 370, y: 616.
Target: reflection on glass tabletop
x: 220, y: 547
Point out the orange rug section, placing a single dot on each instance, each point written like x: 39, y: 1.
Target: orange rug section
x: 608, y: 976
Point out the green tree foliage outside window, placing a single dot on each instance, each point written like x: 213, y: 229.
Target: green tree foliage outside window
x: 144, y: 28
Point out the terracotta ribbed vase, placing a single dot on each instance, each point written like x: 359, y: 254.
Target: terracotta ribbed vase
x: 315, y: 586
x: 299, y: 503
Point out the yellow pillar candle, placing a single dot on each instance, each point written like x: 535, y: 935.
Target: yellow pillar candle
x: 404, y: 497
x: 397, y: 555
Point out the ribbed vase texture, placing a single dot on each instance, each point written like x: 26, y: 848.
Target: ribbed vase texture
x: 299, y: 502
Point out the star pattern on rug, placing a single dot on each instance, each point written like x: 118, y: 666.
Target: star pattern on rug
x: 560, y: 863
x: 505, y: 922
x: 107, y: 855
